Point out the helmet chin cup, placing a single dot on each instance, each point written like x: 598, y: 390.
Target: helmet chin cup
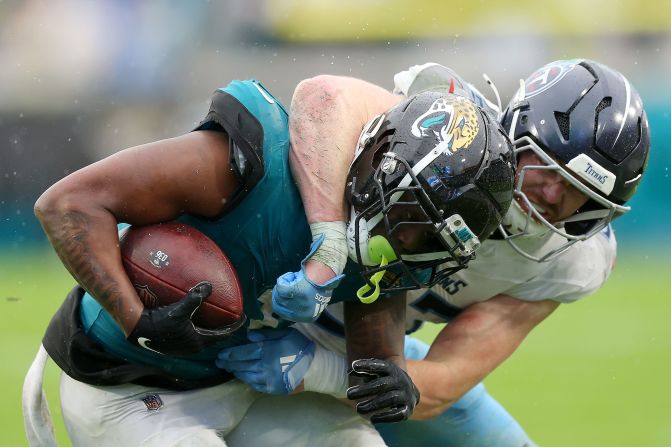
x: 363, y: 238
x: 516, y: 221
x: 374, y: 251
x: 371, y: 249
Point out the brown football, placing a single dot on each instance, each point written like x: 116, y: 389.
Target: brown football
x: 164, y: 261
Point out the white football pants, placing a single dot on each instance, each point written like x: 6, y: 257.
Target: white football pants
x: 134, y: 415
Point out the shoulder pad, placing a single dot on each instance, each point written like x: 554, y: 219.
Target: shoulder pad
x: 245, y: 132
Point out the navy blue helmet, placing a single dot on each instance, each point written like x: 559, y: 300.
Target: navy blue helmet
x: 587, y: 122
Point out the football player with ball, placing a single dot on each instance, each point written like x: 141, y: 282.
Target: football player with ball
x: 581, y: 143
x: 432, y: 180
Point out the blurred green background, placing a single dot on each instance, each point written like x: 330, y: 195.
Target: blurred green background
x: 80, y: 80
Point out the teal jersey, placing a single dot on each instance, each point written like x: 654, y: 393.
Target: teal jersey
x: 265, y: 233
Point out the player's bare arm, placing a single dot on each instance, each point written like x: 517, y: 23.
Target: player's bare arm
x: 472, y: 346
x: 326, y: 118
x: 327, y: 115
x: 381, y: 388
x: 377, y: 328
x: 146, y: 184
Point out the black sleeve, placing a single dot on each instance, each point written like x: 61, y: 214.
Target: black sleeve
x: 245, y: 140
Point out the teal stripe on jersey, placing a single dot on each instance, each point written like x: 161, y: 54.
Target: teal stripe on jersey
x: 101, y: 327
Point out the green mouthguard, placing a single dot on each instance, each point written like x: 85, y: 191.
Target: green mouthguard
x: 381, y: 252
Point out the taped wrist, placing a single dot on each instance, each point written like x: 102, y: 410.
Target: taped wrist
x: 327, y: 373
x: 333, y: 251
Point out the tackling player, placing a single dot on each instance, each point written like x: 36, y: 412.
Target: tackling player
x: 230, y: 179
x: 581, y: 139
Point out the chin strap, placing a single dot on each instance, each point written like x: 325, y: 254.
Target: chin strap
x: 365, y: 228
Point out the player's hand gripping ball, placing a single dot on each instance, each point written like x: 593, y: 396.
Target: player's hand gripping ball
x: 186, y: 283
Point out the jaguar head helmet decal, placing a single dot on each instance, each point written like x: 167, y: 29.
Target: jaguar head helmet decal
x: 452, y: 120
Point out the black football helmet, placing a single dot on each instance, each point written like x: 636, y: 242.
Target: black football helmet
x: 586, y: 122
x: 435, y: 161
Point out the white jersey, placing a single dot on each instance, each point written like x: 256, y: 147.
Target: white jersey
x: 497, y: 269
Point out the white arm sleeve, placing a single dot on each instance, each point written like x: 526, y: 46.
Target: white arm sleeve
x: 327, y: 373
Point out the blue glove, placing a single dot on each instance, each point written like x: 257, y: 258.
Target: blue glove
x: 274, y: 362
x: 297, y: 298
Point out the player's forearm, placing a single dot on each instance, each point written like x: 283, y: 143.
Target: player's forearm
x: 322, y: 145
x: 326, y: 118
x: 376, y: 330
x: 470, y: 347
x: 85, y: 238
x: 438, y: 386
x: 454, y: 365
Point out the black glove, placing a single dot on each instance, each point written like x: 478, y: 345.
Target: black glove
x: 169, y: 329
x: 388, y: 392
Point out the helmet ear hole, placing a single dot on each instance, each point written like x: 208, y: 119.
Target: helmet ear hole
x: 382, y: 145
x: 563, y: 121
x: 379, y: 154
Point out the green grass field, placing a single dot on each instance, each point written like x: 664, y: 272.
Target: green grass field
x: 594, y: 374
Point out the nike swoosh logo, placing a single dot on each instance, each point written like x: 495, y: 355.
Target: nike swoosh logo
x: 142, y: 341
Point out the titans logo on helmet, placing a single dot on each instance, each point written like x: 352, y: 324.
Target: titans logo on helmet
x: 547, y: 76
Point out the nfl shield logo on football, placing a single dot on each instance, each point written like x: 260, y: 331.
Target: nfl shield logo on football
x: 149, y: 298
x: 152, y: 401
